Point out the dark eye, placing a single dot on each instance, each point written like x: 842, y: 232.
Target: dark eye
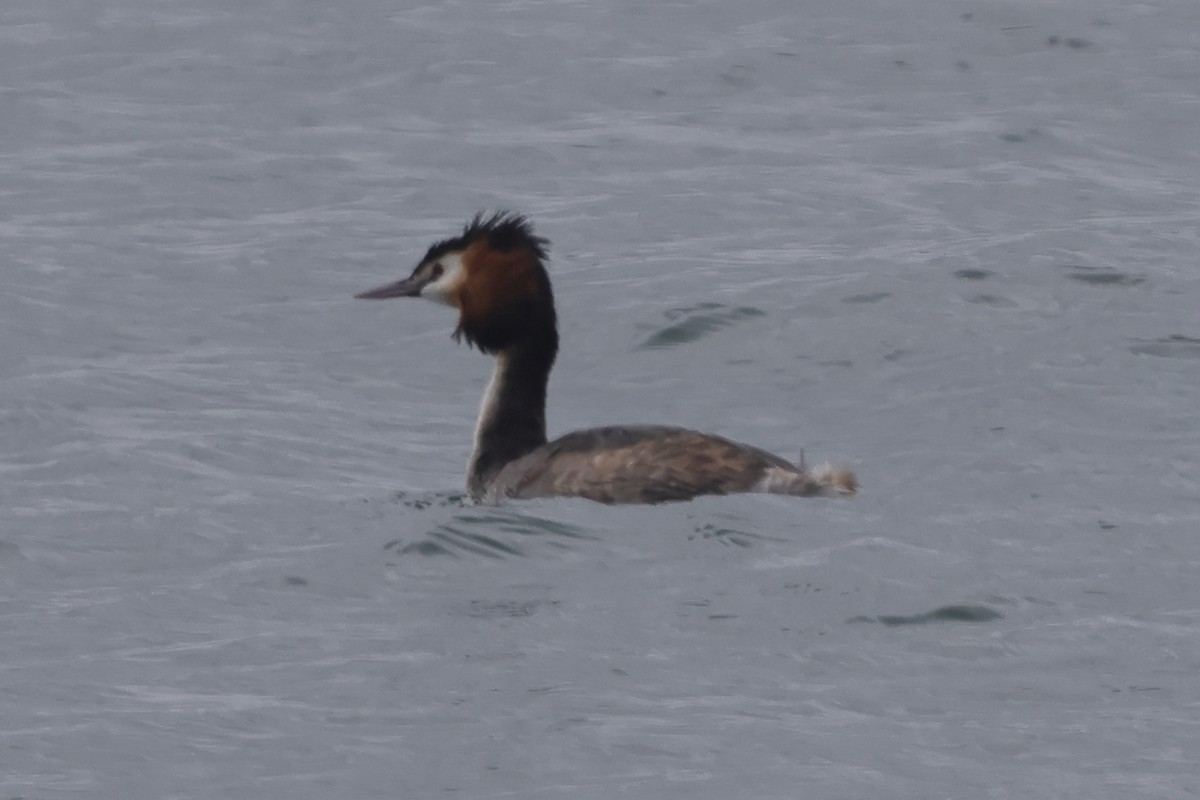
x: 437, y: 271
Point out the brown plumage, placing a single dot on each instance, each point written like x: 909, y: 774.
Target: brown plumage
x: 654, y: 464
x: 494, y: 275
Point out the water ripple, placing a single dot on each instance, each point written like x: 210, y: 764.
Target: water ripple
x: 695, y: 323
x: 963, y: 612
x: 490, y: 534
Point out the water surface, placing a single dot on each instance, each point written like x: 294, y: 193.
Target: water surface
x: 953, y: 245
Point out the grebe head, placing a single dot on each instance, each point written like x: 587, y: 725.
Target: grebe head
x: 494, y: 274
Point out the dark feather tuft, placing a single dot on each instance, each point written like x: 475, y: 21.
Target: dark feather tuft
x: 504, y: 230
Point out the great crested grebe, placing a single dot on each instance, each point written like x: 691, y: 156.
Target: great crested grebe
x: 495, y: 276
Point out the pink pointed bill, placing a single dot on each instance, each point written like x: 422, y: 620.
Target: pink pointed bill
x: 408, y: 287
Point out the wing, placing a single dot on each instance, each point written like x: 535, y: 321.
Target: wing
x: 644, y: 464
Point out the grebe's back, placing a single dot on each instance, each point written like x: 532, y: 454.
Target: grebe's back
x: 656, y: 464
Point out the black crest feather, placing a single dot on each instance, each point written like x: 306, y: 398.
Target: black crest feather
x: 504, y: 231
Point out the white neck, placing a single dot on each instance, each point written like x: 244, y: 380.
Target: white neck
x: 488, y: 409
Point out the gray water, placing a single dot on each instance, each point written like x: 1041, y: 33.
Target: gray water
x: 951, y: 244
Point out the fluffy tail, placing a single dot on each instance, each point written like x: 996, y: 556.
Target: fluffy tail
x: 835, y: 479
x: 824, y: 480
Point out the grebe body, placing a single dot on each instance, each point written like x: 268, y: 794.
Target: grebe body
x: 494, y: 275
